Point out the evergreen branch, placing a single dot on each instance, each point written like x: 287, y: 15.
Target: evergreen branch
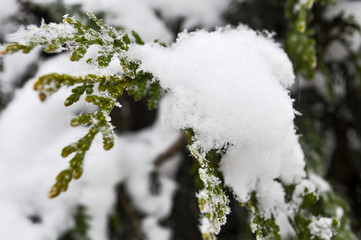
x: 212, y: 199
x: 154, y: 94
x: 99, y: 121
x: 137, y: 38
x: 99, y: 90
x: 266, y: 229
x: 303, y: 56
x: 109, y: 30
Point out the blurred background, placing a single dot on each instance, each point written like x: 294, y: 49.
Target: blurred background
x: 121, y: 196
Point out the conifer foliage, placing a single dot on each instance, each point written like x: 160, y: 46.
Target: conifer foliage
x: 79, y: 38
x: 237, y: 154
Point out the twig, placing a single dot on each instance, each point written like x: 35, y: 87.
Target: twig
x: 132, y: 216
x: 177, y: 146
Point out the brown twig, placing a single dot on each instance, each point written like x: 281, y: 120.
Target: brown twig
x: 128, y: 209
x: 177, y: 146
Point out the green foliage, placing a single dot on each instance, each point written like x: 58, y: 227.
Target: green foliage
x: 212, y: 199
x: 300, y: 44
x: 333, y: 205
x: 154, y: 94
x: 300, y: 225
x: 304, y: 216
x: 332, y: 115
x: 99, y: 90
x: 309, y: 199
x: 325, y: 205
x: 104, y: 90
x: 111, y: 87
x: 322, y: 114
x: 266, y: 229
x: 137, y: 38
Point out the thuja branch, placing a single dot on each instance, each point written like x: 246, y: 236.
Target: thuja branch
x: 99, y: 90
x: 263, y: 228
x: 212, y: 199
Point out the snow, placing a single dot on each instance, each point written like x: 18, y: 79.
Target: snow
x: 300, y: 3
x: 41, y: 2
x: 229, y: 87
x: 8, y: 8
x: 214, y: 64
x: 44, y: 129
x: 6, y: 26
x: 270, y: 196
x: 134, y: 14
x: 27, y: 35
x: 320, y: 183
x: 138, y: 169
x: 303, y: 188
x: 30, y: 160
x: 154, y: 231
x: 292, y: 167
x: 339, y: 213
x: 321, y: 228
x: 14, y: 66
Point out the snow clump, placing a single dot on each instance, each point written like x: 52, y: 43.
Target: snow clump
x: 230, y: 87
x: 321, y: 228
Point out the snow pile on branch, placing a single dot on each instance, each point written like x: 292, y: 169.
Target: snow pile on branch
x: 47, y: 32
x: 229, y: 86
x: 321, y: 228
